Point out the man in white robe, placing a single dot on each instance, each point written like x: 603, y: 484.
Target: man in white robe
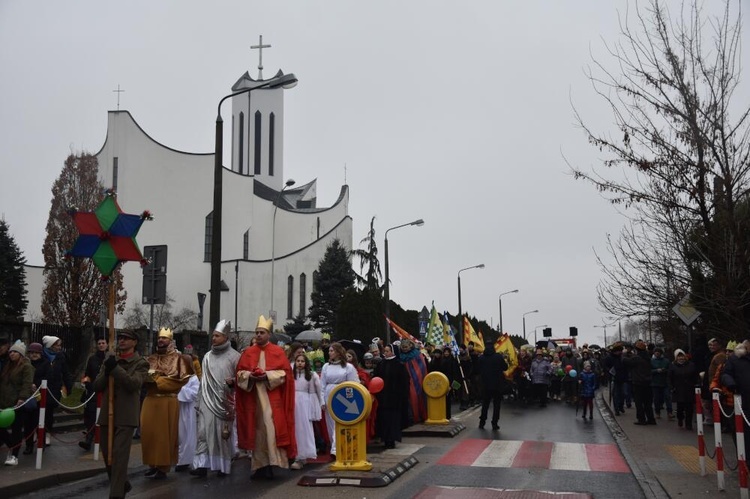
x: 216, y: 410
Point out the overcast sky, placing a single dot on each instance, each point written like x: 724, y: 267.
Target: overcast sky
x: 459, y: 113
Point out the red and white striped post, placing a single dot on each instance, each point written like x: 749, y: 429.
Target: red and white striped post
x: 97, y: 430
x: 741, y: 458
x: 701, y: 440
x: 717, y: 437
x: 40, y: 427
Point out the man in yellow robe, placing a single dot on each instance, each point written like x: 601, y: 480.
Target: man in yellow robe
x: 160, y: 415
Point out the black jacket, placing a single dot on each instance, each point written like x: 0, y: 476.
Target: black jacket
x: 639, y: 366
x: 491, y: 367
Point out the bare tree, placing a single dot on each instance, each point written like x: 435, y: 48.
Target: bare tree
x: 74, y: 292
x: 164, y: 316
x: 678, y: 166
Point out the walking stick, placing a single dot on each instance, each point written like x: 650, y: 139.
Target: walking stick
x: 111, y: 380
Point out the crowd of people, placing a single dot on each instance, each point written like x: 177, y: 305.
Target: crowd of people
x: 268, y: 401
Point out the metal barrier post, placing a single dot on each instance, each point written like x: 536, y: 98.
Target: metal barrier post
x: 741, y: 458
x: 40, y: 428
x: 701, y: 440
x: 717, y: 437
x: 96, y: 426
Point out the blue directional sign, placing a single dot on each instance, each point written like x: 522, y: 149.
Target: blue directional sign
x: 349, y: 403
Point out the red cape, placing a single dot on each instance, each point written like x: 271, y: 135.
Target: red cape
x: 282, y: 400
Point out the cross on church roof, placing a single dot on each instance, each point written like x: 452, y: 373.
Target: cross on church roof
x: 118, y: 91
x: 260, y: 48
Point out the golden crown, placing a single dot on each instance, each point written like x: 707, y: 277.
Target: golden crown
x: 264, y: 323
x: 165, y: 332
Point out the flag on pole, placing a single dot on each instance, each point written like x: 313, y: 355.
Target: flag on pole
x: 451, y: 342
x: 505, y: 347
x: 435, y: 329
x: 471, y: 335
x: 401, y: 332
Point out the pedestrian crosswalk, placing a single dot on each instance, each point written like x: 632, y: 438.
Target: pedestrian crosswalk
x: 535, y: 454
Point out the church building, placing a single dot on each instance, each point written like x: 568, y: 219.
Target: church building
x: 274, y: 234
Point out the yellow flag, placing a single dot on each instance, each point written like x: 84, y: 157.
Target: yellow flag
x: 471, y: 335
x: 504, y: 346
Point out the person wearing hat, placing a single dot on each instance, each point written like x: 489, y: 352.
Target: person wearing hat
x: 128, y: 371
x: 160, y: 416
x: 216, y: 415
x: 683, y: 377
x: 16, y: 379
x: 638, y: 364
x: 59, y: 382
x: 35, y: 352
x: 93, y: 364
x: 265, y: 403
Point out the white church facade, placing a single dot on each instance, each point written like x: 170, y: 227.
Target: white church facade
x: 267, y: 229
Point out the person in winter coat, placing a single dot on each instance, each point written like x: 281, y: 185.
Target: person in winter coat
x: 588, y: 383
x: 41, y: 366
x: 683, y: 377
x: 59, y: 383
x: 660, y: 383
x: 491, y: 368
x: 736, y: 377
x: 93, y: 364
x: 638, y: 363
x: 619, y: 375
x: 16, y: 379
x: 568, y: 382
x: 541, y: 373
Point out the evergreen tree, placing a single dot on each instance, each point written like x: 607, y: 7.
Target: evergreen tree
x: 360, y: 316
x: 369, y: 257
x: 12, y: 276
x: 334, y: 278
x: 74, y: 293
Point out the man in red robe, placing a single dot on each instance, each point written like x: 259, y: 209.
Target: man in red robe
x: 265, y: 403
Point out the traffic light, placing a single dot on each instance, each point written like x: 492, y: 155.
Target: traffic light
x: 573, y: 331
x: 547, y: 332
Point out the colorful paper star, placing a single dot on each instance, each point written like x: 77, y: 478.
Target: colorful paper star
x: 107, y: 235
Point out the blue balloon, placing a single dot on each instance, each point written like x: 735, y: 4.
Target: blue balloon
x: 573, y: 373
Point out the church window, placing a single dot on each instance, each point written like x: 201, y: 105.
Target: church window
x: 241, y: 168
x: 209, y: 234
x: 271, y: 138
x: 115, y: 167
x: 246, y: 245
x: 257, y: 142
x: 302, y: 294
x: 289, y: 296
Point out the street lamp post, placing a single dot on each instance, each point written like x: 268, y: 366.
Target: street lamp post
x: 286, y: 81
x: 537, y: 327
x: 460, y: 315
x: 524, y: 322
x: 500, y: 306
x: 418, y: 223
x: 605, y: 333
x: 288, y: 183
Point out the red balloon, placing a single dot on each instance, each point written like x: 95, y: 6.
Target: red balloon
x: 568, y: 368
x: 376, y: 385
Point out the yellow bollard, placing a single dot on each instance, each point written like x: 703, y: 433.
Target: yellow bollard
x: 435, y: 386
x: 349, y: 405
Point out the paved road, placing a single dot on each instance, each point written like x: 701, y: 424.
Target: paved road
x: 536, y: 449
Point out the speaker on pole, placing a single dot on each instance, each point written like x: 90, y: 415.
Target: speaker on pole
x: 573, y: 331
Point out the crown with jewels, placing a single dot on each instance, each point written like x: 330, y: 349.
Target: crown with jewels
x: 264, y: 323
x: 165, y: 332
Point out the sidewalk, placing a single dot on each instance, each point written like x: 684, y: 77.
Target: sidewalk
x: 63, y: 461
x: 664, y: 458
